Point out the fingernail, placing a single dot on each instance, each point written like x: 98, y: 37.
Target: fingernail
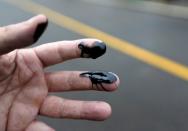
x: 95, y: 51
x: 39, y: 30
x: 100, y: 77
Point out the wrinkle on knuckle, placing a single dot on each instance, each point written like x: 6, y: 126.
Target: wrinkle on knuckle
x: 77, y: 50
x: 59, y: 52
x: 3, y: 38
x: 41, y: 61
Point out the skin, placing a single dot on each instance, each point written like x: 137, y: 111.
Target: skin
x: 24, y: 85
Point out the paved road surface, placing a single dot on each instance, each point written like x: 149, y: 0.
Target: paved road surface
x: 148, y: 99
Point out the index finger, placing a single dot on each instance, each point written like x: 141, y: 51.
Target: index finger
x: 54, y: 53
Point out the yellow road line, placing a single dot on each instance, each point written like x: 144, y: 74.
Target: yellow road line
x: 139, y: 53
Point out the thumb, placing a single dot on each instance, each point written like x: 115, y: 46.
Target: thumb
x: 22, y: 34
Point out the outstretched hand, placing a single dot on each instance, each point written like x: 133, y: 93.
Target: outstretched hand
x: 24, y: 86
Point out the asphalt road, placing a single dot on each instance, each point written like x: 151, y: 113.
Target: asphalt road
x: 148, y: 99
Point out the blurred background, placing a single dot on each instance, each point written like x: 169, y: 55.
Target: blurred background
x: 153, y: 95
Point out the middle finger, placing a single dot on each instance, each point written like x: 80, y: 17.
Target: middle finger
x: 77, y: 80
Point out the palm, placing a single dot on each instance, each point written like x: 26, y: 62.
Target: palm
x: 24, y: 85
x: 24, y: 89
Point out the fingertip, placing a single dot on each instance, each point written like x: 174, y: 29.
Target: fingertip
x: 41, y: 27
x: 114, y: 85
x: 41, y: 18
x: 107, y: 110
x: 104, y: 111
x: 117, y: 82
x: 91, y: 48
x: 36, y: 26
x: 39, y: 30
x: 99, y: 49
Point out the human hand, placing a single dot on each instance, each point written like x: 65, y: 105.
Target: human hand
x: 24, y: 86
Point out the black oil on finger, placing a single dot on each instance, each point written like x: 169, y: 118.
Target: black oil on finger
x: 100, y: 77
x: 95, y: 51
x: 39, y: 30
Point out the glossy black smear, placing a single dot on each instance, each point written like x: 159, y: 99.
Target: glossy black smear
x: 100, y: 77
x: 96, y: 50
x: 39, y: 30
